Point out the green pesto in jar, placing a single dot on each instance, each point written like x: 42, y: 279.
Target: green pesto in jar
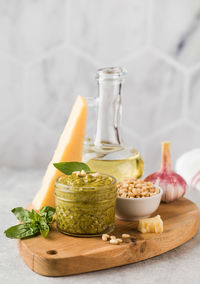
x: 89, y: 180
x: 85, y: 205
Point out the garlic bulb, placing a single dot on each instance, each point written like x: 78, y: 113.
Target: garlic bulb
x: 173, y: 185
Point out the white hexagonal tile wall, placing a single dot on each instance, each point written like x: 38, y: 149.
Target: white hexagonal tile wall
x: 152, y: 95
x: 177, y: 31
x: 11, y: 90
x: 54, y: 84
x: 183, y: 137
x: 29, y: 28
x: 132, y: 140
x: 26, y: 143
x: 194, y: 98
x: 98, y: 33
x: 107, y: 29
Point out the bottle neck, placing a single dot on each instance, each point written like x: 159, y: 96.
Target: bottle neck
x: 109, y: 112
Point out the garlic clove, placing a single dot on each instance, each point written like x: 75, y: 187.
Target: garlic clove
x: 173, y: 185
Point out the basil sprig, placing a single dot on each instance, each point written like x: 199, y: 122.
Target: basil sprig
x: 69, y: 167
x: 33, y: 223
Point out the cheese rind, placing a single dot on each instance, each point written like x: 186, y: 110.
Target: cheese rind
x: 151, y: 225
x: 69, y: 149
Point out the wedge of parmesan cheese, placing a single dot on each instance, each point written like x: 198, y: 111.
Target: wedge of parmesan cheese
x: 151, y: 225
x: 69, y: 149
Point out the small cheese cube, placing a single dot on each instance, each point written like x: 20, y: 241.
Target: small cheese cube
x: 151, y: 225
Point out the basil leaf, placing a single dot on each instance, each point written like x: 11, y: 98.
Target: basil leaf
x: 44, y: 229
x: 44, y: 233
x: 69, y: 167
x: 21, y: 231
x: 22, y: 214
x: 47, y: 209
x: 35, y: 216
x: 33, y: 223
x: 47, y: 212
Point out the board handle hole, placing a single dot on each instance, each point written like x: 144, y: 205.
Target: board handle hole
x: 52, y: 251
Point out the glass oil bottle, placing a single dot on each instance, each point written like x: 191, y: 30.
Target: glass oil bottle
x: 106, y: 152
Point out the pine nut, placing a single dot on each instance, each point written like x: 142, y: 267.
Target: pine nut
x: 126, y: 236
x: 83, y: 173
x: 132, y: 188
x: 113, y: 237
x: 105, y: 237
x: 114, y: 242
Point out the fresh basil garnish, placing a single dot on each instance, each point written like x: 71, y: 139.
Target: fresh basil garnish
x: 23, y: 215
x: 22, y: 231
x: 32, y: 223
x: 69, y: 167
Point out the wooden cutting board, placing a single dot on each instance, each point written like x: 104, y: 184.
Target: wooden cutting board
x: 60, y: 255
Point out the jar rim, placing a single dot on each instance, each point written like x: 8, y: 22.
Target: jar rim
x: 64, y: 186
x: 111, y: 73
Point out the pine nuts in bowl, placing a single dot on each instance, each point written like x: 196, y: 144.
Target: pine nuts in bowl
x: 137, y: 199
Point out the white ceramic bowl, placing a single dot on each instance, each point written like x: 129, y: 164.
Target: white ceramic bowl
x: 130, y: 209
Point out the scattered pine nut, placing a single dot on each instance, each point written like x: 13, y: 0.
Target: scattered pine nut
x: 126, y: 236
x: 113, y: 237
x: 105, y: 237
x: 114, y: 242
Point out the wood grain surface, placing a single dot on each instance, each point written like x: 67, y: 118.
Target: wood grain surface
x: 60, y: 255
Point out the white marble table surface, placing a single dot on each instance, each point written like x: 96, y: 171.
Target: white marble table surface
x: 181, y: 265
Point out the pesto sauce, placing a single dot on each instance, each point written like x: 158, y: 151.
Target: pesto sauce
x: 85, y: 181
x: 85, y: 206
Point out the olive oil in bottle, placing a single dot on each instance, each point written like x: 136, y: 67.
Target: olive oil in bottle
x: 106, y: 152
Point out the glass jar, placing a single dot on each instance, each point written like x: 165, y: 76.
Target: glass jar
x: 105, y: 151
x: 85, y: 211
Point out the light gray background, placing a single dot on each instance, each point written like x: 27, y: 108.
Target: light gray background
x: 49, y: 53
